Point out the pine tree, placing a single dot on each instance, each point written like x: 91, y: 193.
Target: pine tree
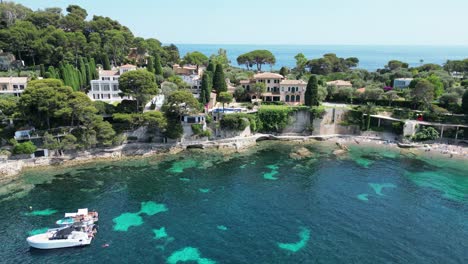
x: 157, y: 65
x: 150, y: 65
x: 311, y: 94
x: 219, y: 81
x: 106, y: 62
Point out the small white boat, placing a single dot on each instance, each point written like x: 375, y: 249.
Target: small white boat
x: 82, y: 216
x: 70, y: 236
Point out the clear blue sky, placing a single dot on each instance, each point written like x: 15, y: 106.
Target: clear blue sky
x: 386, y: 22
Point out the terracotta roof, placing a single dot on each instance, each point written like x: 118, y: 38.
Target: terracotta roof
x: 108, y: 73
x: 293, y: 82
x: 128, y: 66
x: 268, y: 75
x: 13, y: 79
x: 340, y: 83
x: 361, y: 90
x: 244, y: 81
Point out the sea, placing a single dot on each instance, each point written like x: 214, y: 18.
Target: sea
x: 266, y: 205
x: 371, y: 57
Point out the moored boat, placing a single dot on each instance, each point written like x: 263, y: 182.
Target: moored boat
x: 69, y: 236
x: 82, y: 216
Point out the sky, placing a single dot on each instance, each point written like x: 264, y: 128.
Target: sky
x: 301, y: 22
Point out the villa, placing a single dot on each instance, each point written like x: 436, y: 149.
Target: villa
x: 13, y: 85
x: 278, y: 88
x: 402, y: 83
x: 340, y: 84
x: 106, y: 88
x: 192, y: 75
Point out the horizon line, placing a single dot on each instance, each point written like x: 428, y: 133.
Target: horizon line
x: 284, y: 44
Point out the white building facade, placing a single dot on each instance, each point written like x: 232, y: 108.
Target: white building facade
x: 402, y: 83
x: 106, y: 88
x: 13, y: 85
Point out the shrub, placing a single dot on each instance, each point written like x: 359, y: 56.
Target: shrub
x: 197, y: 129
x: 274, y: 118
x: 24, y: 148
x: 397, y: 128
x: 317, y: 111
x: 234, y: 122
x: 428, y: 133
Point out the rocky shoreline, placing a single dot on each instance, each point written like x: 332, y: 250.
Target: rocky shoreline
x: 10, y: 169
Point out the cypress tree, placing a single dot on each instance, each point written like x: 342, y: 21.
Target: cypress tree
x: 219, y: 81
x: 106, y: 62
x: 150, y: 65
x: 82, y: 69
x: 465, y: 103
x: 42, y: 70
x: 157, y: 65
x: 92, y: 68
x: 205, y: 89
x: 311, y: 94
x: 211, y: 67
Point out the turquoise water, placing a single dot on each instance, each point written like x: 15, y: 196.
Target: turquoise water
x: 370, y: 57
x: 254, y: 207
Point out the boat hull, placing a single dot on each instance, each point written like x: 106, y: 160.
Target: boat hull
x: 42, y: 242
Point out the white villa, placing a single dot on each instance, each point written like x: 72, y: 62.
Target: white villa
x: 106, y: 88
x: 278, y: 89
x: 191, y: 76
x: 13, y: 85
x: 402, y: 82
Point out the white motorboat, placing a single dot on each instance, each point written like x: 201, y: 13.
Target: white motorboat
x: 70, y: 236
x: 82, y: 216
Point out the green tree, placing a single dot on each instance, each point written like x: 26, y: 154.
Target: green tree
x: 8, y: 106
x: 206, y: 89
x: 195, y: 58
x: 465, y: 103
x: 390, y: 96
x: 150, y: 65
x: 105, y: 62
x: 220, y: 58
x: 178, y: 103
x: 68, y: 142
x: 140, y: 85
x: 438, y: 85
x: 257, y: 57
x: 284, y: 71
x: 395, y: 64
x: 224, y: 98
x: 258, y: 89
x: 423, y: 93
x: 50, y: 142
x: 157, y: 65
x: 301, y: 63
x: 311, y: 94
x: 219, y: 81
x: 211, y: 67
x: 24, y: 148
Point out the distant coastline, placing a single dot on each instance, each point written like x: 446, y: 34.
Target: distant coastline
x: 371, y: 57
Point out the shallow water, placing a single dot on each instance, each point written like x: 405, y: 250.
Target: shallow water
x: 373, y: 205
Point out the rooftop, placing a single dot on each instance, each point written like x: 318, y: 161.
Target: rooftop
x: 268, y: 75
x: 340, y: 83
x: 108, y: 73
x: 13, y: 79
x: 293, y: 82
x: 128, y: 66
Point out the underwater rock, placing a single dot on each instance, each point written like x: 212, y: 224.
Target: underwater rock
x: 301, y: 153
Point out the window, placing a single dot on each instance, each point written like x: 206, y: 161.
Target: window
x: 106, y: 78
x: 282, y: 89
x: 289, y: 89
x: 298, y: 98
x: 115, y: 78
x: 268, y: 81
x: 96, y: 87
x: 287, y: 98
x: 106, y: 87
x: 21, y: 87
x: 248, y: 88
x: 4, y: 87
x: 15, y: 87
x: 115, y: 95
x: 115, y: 87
